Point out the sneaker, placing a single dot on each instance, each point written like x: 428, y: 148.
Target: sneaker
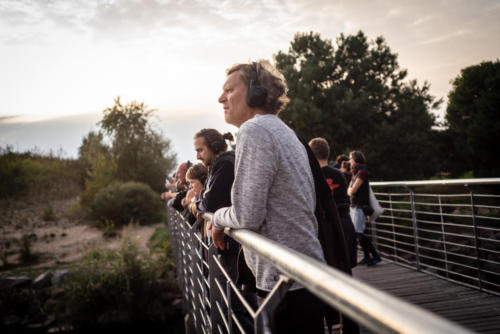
x: 365, y: 260
x: 374, y: 261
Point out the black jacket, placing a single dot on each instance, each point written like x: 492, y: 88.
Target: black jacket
x: 217, y: 192
x: 330, y: 231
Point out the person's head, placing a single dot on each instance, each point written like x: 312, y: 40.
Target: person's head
x: 357, y: 158
x: 249, y: 89
x: 180, y: 174
x: 196, y: 176
x: 341, y: 158
x: 320, y: 148
x: 345, y: 166
x: 209, y: 144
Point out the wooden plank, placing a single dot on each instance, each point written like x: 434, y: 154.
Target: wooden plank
x: 469, y: 307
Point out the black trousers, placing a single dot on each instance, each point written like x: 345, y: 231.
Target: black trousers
x: 299, y: 312
x: 367, y: 246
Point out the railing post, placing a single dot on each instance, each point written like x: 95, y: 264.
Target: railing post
x: 415, y: 228
x: 476, y: 238
x: 393, y: 229
x: 444, y: 236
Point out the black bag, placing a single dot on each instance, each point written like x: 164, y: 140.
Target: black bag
x: 367, y: 210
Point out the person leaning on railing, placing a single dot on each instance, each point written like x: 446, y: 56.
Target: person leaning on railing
x: 273, y: 191
x: 196, y: 177
x: 211, y: 149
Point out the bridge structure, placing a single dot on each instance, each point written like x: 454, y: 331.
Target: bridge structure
x: 440, y: 243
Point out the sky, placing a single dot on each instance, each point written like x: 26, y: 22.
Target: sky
x: 63, y: 62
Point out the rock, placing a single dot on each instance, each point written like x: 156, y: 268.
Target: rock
x: 60, y: 276
x: 14, y: 282
x: 43, y: 280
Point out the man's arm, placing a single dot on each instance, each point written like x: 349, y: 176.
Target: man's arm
x: 255, y: 166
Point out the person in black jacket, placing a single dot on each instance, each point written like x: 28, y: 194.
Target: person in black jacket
x: 211, y: 149
x: 338, y: 186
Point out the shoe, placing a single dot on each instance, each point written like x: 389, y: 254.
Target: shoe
x: 374, y: 261
x: 366, y: 260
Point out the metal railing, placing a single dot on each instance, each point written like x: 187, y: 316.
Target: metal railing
x: 447, y: 228
x: 202, y: 277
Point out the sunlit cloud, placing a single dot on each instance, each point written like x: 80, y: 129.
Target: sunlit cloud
x: 61, y: 58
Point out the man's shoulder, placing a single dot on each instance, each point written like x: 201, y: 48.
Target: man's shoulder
x: 330, y: 170
x: 226, y: 158
x: 333, y: 173
x: 263, y: 123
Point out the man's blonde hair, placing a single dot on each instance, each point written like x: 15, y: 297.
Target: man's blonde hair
x: 269, y: 78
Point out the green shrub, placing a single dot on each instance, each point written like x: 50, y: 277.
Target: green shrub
x: 25, y: 252
x: 124, y: 202
x: 48, y: 214
x: 17, y: 172
x: 159, y: 242
x: 40, y: 177
x: 108, y: 228
x: 122, y: 287
x: 101, y: 174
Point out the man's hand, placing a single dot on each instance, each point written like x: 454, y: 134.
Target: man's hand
x: 217, y: 236
x: 168, y: 195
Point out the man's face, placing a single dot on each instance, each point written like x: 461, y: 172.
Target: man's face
x: 233, y: 100
x: 203, y: 153
x: 181, y: 175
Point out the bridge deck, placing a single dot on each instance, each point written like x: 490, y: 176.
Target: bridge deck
x: 475, y: 310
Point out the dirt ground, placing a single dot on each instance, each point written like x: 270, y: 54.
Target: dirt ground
x: 63, y: 240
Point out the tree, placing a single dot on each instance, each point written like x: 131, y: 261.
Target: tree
x: 355, y: 96
x: 473, y: 118
x: 139, y: 152
x: 92, y: 148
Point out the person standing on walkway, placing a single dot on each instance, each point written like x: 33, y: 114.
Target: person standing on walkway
x: 359, y: 191
x: 338, y: 185
x: 273, y: 192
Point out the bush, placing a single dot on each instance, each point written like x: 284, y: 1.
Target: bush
x: 125, y: 202
x: 30, y: 174
x: 124, y: 288
x: 48, y: 214
x: 101, y: 174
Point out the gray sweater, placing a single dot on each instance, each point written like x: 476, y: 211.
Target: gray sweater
x: 272, y: 194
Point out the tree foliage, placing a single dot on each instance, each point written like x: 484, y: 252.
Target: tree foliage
x: 138, y: 151
x: 354, y: 95
x: 473, y: 118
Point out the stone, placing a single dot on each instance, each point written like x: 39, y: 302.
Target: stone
x: 60, y: 276
x: 43, y: 280
x: 14, y: 282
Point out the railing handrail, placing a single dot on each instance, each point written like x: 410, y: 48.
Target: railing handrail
x: 493, y: 180
x: 374, y: 309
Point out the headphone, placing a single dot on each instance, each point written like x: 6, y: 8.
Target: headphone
x: 256, y: 94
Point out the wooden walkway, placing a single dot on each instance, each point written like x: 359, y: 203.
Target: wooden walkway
x: 475, y: 310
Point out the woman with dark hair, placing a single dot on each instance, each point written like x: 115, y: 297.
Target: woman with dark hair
x: 359, y: 191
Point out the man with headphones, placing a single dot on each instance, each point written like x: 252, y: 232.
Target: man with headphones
x: 211, y: 149
x: 273, y: 191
